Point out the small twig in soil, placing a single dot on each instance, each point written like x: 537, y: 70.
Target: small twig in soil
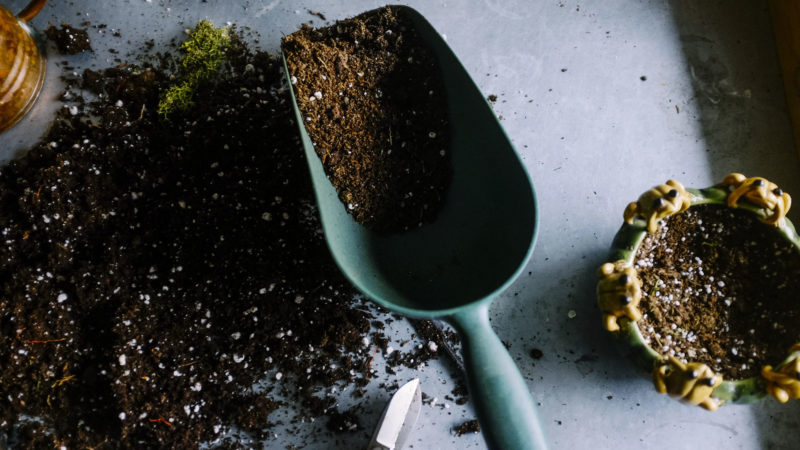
x: 318, y: 14
x: 44, y: 341
x: 655, y: 288
x: 658, y: 341
x: 63, y: 381
x: 98, y: 445
x: 161, y: 419
x: 369, y: 363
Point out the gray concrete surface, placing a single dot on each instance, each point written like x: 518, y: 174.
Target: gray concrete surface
x: 593, y: 134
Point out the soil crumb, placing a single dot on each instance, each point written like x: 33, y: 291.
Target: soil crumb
x: 317, y: 14
x: 69, y: 40
x: 470, y: 426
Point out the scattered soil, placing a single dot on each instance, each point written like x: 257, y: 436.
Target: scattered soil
x: 461, y: 394
x: 341, y: 422
x: 720, y: 287
x: 436, y: 336
x: 317, y: 14
x: 374, y: 107
x: 69, y: 40
x: 536, y: 353
x: 166, y: 283
x: 470, y: 426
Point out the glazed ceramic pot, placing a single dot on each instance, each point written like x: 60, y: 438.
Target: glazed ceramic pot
x: 619, y: 292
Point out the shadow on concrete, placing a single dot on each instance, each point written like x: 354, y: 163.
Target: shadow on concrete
x: 739, y: 103
x: 739, y: 98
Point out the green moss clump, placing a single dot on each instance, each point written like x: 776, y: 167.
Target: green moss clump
x: 205, y: 49
x: 205, y: 52
x: 176, y: 98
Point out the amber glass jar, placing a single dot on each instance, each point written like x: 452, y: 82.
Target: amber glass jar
x: 22, y: 68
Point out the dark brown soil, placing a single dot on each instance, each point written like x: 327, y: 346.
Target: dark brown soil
x: 69, y: 40
x: 470, y: 426
x: 374, y: 107
x: 721, y: 288
x: 153, y: 272
x: 461, y: 394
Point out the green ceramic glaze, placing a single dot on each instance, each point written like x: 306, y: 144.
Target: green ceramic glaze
x: 624, y: 246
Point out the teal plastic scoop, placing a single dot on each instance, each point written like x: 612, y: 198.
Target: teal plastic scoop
x: 454, y: 267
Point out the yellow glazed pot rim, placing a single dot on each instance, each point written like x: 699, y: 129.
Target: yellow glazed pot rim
x: 646, y: 213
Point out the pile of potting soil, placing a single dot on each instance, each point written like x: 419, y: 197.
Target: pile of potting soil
x: 153, y: 272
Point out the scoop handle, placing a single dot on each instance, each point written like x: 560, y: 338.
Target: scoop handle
x: 500, y: 395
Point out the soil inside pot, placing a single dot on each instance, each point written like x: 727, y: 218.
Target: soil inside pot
x: 374, y: 107
x: 721, y: 288
x: 153, y: 272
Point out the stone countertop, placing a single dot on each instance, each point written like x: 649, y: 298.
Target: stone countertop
x: 602, y: 100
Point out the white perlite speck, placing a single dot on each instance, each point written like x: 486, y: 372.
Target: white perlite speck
x: 61, y: 297
x: 122, y: 360
x: 122, y: 416
x: 278, y: 376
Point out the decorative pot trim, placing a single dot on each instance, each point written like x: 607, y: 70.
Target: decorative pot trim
x: 619, y: 292
x: 783, y: 383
